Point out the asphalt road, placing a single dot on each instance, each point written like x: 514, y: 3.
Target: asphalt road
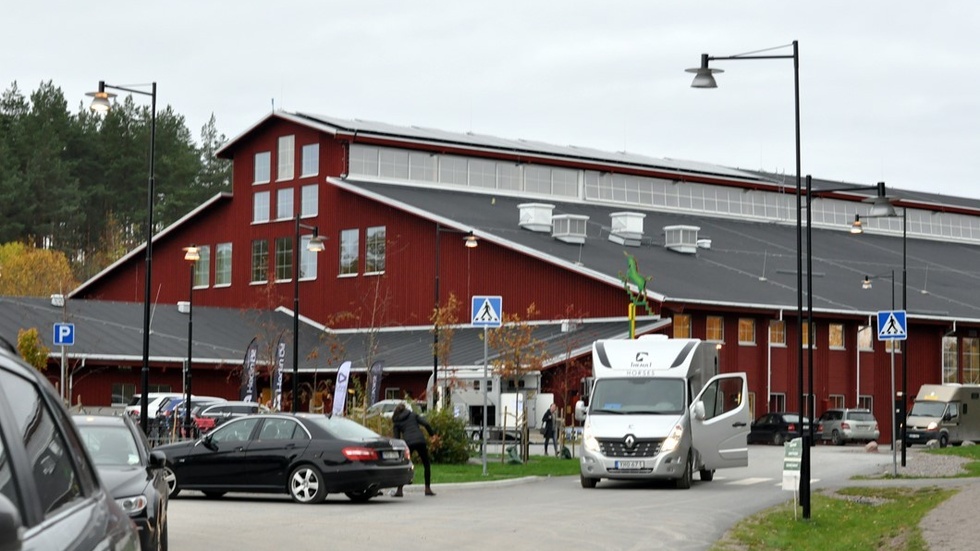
x: 539, y: 513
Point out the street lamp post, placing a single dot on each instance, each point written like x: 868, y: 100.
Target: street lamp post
x: 866, y: 284
x: 315, y: 246
x: 884, y: 209
x: 704, y: 79
x: 101, y: 104
x: 192, y: 255
x: 470, y: 241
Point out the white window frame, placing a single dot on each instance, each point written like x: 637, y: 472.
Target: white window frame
x: 284, y: 203
x: 202, y: 268
x: 311, y: 160
x: 309, y: 202
x: 307, y: 259
x: 262, y: 168
x: 286, y: 158
x: 260, y: 207
x: 222, y: 265
x: 350, y: 261
x: 375, y: 240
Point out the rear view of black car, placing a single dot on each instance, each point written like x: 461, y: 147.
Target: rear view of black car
x: 51, y: 498
x: 131, y: 472
x: 307, y: 456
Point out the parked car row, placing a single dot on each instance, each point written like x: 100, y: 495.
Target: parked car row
x: 838, y: 426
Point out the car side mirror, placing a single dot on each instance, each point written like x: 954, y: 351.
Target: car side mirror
x: 699, y: 411
x: 157, y: 460
x: 11, y: 529
x: 208, y: 443
x: 580, y: 411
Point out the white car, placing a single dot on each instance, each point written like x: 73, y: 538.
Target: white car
x: 385, y: 408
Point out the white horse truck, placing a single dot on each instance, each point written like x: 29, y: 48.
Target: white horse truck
x: 659, y: 410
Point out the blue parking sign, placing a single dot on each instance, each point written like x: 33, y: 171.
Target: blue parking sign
x: 64, y: 334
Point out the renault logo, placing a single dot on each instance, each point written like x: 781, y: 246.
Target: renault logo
x: 630, y: 441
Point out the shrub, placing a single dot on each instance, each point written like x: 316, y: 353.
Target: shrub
x: 450, y: 444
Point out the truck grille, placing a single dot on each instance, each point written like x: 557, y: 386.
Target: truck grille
x: 641, y: 448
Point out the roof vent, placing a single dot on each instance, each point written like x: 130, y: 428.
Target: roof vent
x: 536, y: 216
x: 627, y: 228
x: 58, y: 301
x: 183, y: 306
x: 569, y: 228
x: 704, y: 243
x: 682, y: 239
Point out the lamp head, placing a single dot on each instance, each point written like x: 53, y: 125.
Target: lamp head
x: 856, y: 227
x: 316, y: 242
x: 866, y: 284
x: 192, y: 253
x: 471, y: 241
x: 881, y: 207
x: 100, y: 100
x: 704, y: 75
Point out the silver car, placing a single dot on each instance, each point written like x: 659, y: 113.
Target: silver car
x: 841, y: 426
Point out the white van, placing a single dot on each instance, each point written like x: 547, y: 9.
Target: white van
x: 948, y: 413
x: 659, y: 410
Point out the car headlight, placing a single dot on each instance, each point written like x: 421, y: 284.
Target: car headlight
x: 933, y: 426
x: 673, y: 439
x: 589, y: 441
x: 133, y: 505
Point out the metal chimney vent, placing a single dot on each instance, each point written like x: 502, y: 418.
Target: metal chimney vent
x: 683, y: 239
x: 569, y: 228
x: 536, y: 216
x: 58, y: 301
x: 627, y: 228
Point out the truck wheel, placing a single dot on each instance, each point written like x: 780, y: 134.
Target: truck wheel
x: 707, y: 475
x: 588, y: 482
x: 943, y: 440
x: 684, y: 482
x: 836, y: 438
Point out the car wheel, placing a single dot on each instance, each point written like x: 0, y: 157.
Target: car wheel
x: 588, y: 482
x: 778, y: 439
x: 213, y: 495
x: 835, y: 437
x: 684, y: 482
x: 707, y: 475
x: 173, y: 488
x: 306, y: 485
x: 943, y: 440
x: 361, y: 496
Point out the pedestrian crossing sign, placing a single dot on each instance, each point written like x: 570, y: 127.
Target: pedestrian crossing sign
x: 891, y: 325
x: 487, y: 311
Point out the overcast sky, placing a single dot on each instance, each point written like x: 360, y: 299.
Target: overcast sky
x: 889, y: 90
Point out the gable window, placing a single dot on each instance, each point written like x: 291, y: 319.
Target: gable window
x: 309, y: 196
x: 746, y: 331
x: 260, y: 207
x: 202, y: 268
x: 311, y: 159
x: 287, y: 154
x: 284, y: 204
x: 349, y: 248
x: 864, y: 338
x: 950, y: 359
x: 263, y: 162
x: 260, y: 261
x: 307, y: 258
x: 682, y: 326
x: 715, y: 330
x: 835, y: 332
x: 284, y: 258
x: 374, y: 250
x: 222, y: 264
x: 777, y: 333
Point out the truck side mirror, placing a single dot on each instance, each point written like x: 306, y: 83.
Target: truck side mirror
x: 580, y: 411
x: 11, y: 529
x: 699, y: 411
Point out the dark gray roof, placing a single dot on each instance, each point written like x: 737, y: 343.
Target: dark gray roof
x: 749, y: 264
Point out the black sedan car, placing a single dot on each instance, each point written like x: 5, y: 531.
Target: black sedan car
x: 776, y: 428
x: 132, y: 473
x: 304, y: 455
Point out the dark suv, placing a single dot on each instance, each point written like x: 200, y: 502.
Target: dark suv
x: 847, y: 425
x: 50, y: 495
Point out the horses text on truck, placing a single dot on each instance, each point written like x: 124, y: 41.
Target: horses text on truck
x: 657, y: 409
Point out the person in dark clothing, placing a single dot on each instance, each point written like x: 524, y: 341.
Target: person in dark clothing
x: 549, y: 428
x: 408, y: 426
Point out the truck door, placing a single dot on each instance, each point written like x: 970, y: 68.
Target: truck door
x: 721, y: 434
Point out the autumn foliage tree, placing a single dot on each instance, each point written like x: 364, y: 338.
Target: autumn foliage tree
x: 32, y: 272
x: 30, y: 347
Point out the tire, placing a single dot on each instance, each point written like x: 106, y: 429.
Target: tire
x: 943, y: 440
x: 707, y: 475
x: 213, y: 495
x: 361, y: 496
x: 173, y: 488
x: 306, y: 485
x: 835, y: 437
x: 588, y: 482
x: 778, y: 439
x: 684, y: 482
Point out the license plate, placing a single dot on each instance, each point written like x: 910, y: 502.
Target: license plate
x: 629, y: 465
x: 913, y: 436
x: 391, y: 454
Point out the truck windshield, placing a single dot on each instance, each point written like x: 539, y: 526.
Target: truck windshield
x: 928, y: 409
x: 638, y: 396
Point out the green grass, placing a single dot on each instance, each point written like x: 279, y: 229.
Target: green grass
x: 867, y: 518
x: 473, y: 471
x: 856, y: 518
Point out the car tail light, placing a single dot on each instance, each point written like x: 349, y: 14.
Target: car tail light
x: 408, y: 454
x: 845, y: 426
x: 360, y: 453
x: 820, y: 427
x: 791, y: 427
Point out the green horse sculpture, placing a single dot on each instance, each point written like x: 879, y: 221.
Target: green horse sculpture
x: 633, y: 277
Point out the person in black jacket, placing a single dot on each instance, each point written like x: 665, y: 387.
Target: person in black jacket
x: 549, y: 428
x: 408, y: 426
